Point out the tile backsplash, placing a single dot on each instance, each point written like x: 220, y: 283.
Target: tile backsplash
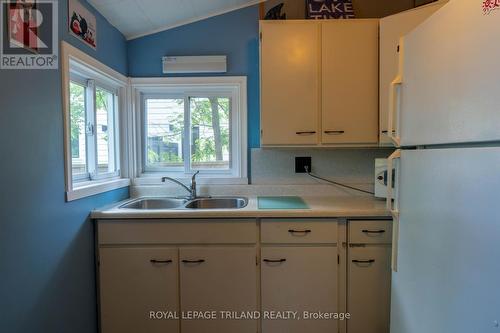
x: 350, y: 166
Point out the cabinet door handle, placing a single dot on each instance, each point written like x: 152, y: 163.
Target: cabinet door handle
x: 373, y: 231
x: 334, y: 132
x: 293, y: 231
x: 306, y: 133
x: 369, y: 261
x: 275, y: 260
x: 156, y: 261
x: 198, y: 261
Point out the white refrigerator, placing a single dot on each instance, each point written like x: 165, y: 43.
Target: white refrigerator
x: 445, y: 113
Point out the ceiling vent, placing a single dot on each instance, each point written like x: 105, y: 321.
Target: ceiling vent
x: 194, y: 64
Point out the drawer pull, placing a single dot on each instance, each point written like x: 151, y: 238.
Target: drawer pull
x: 373, y: 231
x: 334, y: 132
x: 156, y: 261
x: 306, y: 133
x: 369, y: 261
x: 293, y: 231
x: 199, y: 261
x: 275, y: 260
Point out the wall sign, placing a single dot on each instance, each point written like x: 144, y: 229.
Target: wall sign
x: 82, y: 24
x: 490, y: 5
x: 330, y: 9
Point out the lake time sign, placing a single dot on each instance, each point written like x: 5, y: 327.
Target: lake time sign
x: 330, y: 9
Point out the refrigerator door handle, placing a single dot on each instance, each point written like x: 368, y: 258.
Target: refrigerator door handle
x: 394, y: 111
x: 392, y: 133
x: 393, y: 208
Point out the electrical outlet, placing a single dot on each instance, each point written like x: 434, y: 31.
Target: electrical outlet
x: 301, y: 163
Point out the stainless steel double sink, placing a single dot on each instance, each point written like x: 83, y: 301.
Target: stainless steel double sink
x: 182, y: 203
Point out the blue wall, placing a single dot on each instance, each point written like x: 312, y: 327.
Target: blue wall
x: 235, y: 34
x: 46, y: 245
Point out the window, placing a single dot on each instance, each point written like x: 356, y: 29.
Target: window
x: 93, y: 96
x: 93, y: 115
x: 208, y: 147
x: 192, y: 124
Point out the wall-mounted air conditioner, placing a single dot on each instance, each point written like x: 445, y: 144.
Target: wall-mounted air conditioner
x: 194, y: 64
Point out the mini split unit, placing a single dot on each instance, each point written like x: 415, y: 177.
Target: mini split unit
x: 194, y: 64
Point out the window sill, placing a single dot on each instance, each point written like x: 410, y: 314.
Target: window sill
x: 96, y: 187
x: 201, y: 180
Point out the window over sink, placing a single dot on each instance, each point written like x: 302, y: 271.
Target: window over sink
x: 186, y: 125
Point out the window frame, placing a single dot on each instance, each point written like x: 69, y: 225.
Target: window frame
x: 85, y: 176
x: 114, y: 148
x: 84, y: 70
x: 234, y: 87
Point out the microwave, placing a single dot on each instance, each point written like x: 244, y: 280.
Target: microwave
x: 381, y: 178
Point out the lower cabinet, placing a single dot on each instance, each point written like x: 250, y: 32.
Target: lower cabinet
x: 150, y: 281
x: 218, y: 279
x: 369, y: 276
x: 369, y: 288
x: 132, y: 283
x: 136, y: 282
x: 299, y: 279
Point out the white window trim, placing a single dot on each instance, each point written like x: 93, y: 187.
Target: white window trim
x: 115, y: 79
x: 90, y: 188
x: 148, y: 86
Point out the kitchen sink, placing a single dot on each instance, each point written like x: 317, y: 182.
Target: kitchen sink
x: 155, y: 203
x: 182, y: 203
x: 217, y: 203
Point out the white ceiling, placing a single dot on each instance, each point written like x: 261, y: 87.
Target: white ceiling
x: 136, y: 18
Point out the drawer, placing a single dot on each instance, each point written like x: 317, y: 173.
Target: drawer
x: 189, y: 231
x: 296, y: 231
x: 370, y: 232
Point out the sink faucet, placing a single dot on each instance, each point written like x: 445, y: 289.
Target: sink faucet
x: 191, y: 189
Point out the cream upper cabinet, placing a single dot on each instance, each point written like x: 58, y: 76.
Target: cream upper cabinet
x: 290, y: 82
x: 392, y: 28
x: 349, y: 81
x: 319, y: 82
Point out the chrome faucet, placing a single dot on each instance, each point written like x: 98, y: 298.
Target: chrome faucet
x: 191, y: 189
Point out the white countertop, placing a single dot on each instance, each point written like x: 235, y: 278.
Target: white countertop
x: 321, y: 204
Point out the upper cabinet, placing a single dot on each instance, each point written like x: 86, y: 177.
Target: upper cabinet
x: 290, y: 82
x: 319, y: 82
x: 392, y: 28
x: 349, y: 82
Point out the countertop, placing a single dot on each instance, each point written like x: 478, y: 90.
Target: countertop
x: 319, y: 206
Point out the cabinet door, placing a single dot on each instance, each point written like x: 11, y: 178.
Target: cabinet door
x: 392, y: 28
x: 350, y: 82
x: 218, y: 279
x: 369, y: 285
x: 289, y: 83
x: 299, y: 279
x: 134, y: 282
